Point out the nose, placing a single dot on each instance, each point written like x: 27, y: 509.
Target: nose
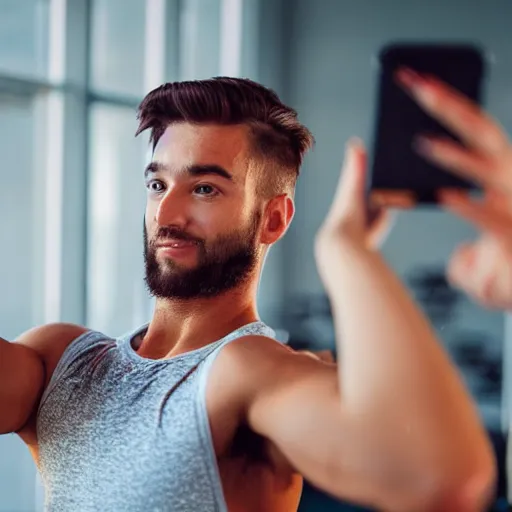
x: 172, y: 209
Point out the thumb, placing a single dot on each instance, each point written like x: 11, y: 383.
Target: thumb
x: 349, y: 200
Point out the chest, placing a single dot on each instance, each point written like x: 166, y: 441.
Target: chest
x: 155, y: 437
x: 134, y: 440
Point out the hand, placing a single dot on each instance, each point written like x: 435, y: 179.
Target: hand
x: 350, y: 217
x: 482, y: 269
x: 350, y: 220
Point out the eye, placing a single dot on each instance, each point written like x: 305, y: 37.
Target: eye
x: 205, y: 190
x: 155, y: 186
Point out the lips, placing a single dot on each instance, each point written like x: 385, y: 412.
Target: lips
x: 175, y: 244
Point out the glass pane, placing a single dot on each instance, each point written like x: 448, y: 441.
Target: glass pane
x: 20, y: 284
x: 17, y: 186
x: 117, y: 46
x: 23, y: 37
x: 199, y: 39
x: 117, y: 300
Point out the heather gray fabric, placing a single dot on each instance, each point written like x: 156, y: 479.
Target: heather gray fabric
x: 121, y: 433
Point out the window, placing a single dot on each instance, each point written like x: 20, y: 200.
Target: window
x: 118, y: 46
x: 21, y: 286
x: 24, y: 37
x: 115, y: 288
x: 71, y: 187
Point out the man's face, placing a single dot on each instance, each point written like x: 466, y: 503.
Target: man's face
x: 202, y: 223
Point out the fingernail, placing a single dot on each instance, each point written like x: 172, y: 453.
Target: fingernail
x: 409, y: 78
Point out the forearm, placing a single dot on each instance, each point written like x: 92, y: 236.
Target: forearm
x: 395, y: 377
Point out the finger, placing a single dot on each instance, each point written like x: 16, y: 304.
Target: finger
x: 461, y: 264
x: 481, y: 214
x: 353, y: 178
x: 461, y: 161
x: 402, y: 199
x: 494, y: 198
x: 498, y: 200
x: 455, y: 111
x: 375, y: 216
x: 475, y: 270
x: 464, y: 282
x: 467, y: 272
x: 379, y: 226
x: 349, y: 197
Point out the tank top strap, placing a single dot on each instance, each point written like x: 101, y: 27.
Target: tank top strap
x: 252, y: 329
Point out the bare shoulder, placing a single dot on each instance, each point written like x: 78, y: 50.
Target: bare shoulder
x: 243, y: 358
x: 50, y: 341
x: 42, y: 333
x: 249, y: 366
x: 260, y: 360
x: 47, y: 344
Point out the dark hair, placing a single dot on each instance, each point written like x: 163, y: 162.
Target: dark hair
x: 278, y: 138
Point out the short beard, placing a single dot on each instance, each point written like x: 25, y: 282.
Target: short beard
x: 224, y: 264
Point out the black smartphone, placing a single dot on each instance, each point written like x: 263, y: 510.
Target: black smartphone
x: 396, y: 167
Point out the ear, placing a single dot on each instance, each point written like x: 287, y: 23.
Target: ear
x: 278, y: 216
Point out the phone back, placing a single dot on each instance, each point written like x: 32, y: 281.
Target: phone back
x: 396, y: 165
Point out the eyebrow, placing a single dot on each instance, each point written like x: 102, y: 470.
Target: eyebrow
x: 192, y: 170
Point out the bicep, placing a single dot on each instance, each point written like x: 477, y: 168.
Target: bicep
x: 301, y: 414
x: 369, y: 456
x: 299, y: 408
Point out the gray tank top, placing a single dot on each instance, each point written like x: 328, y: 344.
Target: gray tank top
x: 121, y: 433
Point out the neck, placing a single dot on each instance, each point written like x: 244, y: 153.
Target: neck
x: 180, y: 326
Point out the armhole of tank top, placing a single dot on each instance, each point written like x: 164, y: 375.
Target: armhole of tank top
x: 68, y: 356
x: 202, y: 413
x: 205, y: 429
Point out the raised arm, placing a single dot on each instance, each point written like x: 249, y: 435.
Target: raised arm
x: 393, y: 427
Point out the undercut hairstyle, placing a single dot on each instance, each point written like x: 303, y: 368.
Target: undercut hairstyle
x: 278, y: 140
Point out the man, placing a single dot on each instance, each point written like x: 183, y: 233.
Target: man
x: 202, y: 410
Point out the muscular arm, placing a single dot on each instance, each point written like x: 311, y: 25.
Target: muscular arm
x: 22, y: 378
x: 393, y: 427
x: 26, y: 366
